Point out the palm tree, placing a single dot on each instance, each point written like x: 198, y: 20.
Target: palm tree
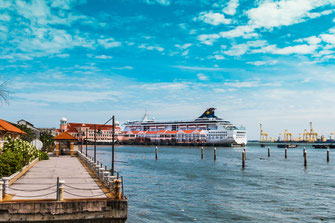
x: 4, y: 93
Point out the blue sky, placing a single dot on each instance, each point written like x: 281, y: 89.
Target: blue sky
x: 267, y: 62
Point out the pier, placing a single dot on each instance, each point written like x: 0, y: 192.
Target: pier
x: 64, y: 189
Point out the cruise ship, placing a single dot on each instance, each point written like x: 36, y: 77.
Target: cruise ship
x: 208, y: 129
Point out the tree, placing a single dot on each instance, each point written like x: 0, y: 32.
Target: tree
x: 4, y: 93
x: 30, y: 136
x: 48, y: 142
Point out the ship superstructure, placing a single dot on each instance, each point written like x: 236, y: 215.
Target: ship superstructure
x: 207, y: 129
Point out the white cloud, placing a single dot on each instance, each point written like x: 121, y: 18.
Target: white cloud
x: 103, y: 57
x: 123, y: 68
x: 208, y: 39
x: 109, y: 43
x: 231, y: 7
x: 161, y: 2
x: 312, y: 40
x: 69, y: 96
x: 219, y: 57
x: 246, y: 32
x: 261, y: 63
x: 165, y: 85
x: 202, y: 77
x: 237, y: 50
x: 213, y: 18
x: 5, y: 17
x: 286, y: 12
x: 147, y: 47
x: 329, y: 38
x: 184, y: 46
x: 298, y: 49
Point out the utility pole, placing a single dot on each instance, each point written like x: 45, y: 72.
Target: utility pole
x: 113, y: 139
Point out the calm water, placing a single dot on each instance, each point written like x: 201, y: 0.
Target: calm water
x: 180, y: 187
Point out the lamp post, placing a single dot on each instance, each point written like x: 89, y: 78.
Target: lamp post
x: 113, y: 138
x: 95, y: 141
x: 86, y: 140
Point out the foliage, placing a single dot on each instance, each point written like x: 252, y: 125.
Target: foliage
x: 30, y: 136
x: 4, y: 93
x: 17, y: 153
x: 48, y: 142
x: 42, y: 155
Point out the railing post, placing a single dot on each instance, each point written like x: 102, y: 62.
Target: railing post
x: 61, y: 190
x: 6, y: 185
x: 1, y: 190
x: 57, y: 190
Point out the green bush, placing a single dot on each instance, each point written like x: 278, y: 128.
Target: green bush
x: 43, y: 155
x: 17, y: 153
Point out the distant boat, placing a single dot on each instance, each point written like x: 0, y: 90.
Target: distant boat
x: 287, y: 145
x: 320, y: 146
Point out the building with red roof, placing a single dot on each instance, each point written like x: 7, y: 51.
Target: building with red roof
x: 9, y: 130
x: 85, y: 131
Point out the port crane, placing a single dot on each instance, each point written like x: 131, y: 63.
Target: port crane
x: 287, y: 136
x: 263, y: 135
x: 312, y: 136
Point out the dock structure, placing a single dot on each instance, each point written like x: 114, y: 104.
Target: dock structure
x: 64, y: 189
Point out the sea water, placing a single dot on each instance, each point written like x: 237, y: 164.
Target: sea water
x: 180, y: 187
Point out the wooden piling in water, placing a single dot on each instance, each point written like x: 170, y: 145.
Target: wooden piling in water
x: 156, y: 152
x: 303, y: 151
x: 286, y: 153
x: 305, y: 158
x: 243, y: 159
x: 245, y: 153
x: 268, y: 151
x: 327, y: 155
x: 214, y: 154
x: 202, y: 153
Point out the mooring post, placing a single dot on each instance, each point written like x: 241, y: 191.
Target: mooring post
x: 305, y: 158
x: 122, y: 187
x: 105, y: 178
x: 268, y: 151
x: 156, y: 153
x: 214, y: 154
x: 245, y: 153
x: 243, y: 159
x: 285, y: 152
x: 61, y: 190
x: 327, y: 155
x: 303, y: 151
x: 202, y: 153
x: 101, y: 174
x: 1, y: 190
x: 111, y: 182
x: 118, y: 190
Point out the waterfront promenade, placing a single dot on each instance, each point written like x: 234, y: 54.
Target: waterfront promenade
x: 40, y: 181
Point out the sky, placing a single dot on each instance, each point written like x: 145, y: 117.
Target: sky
x: 263, y: 61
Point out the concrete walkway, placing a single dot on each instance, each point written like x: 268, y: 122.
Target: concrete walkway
x: 44, y: 175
